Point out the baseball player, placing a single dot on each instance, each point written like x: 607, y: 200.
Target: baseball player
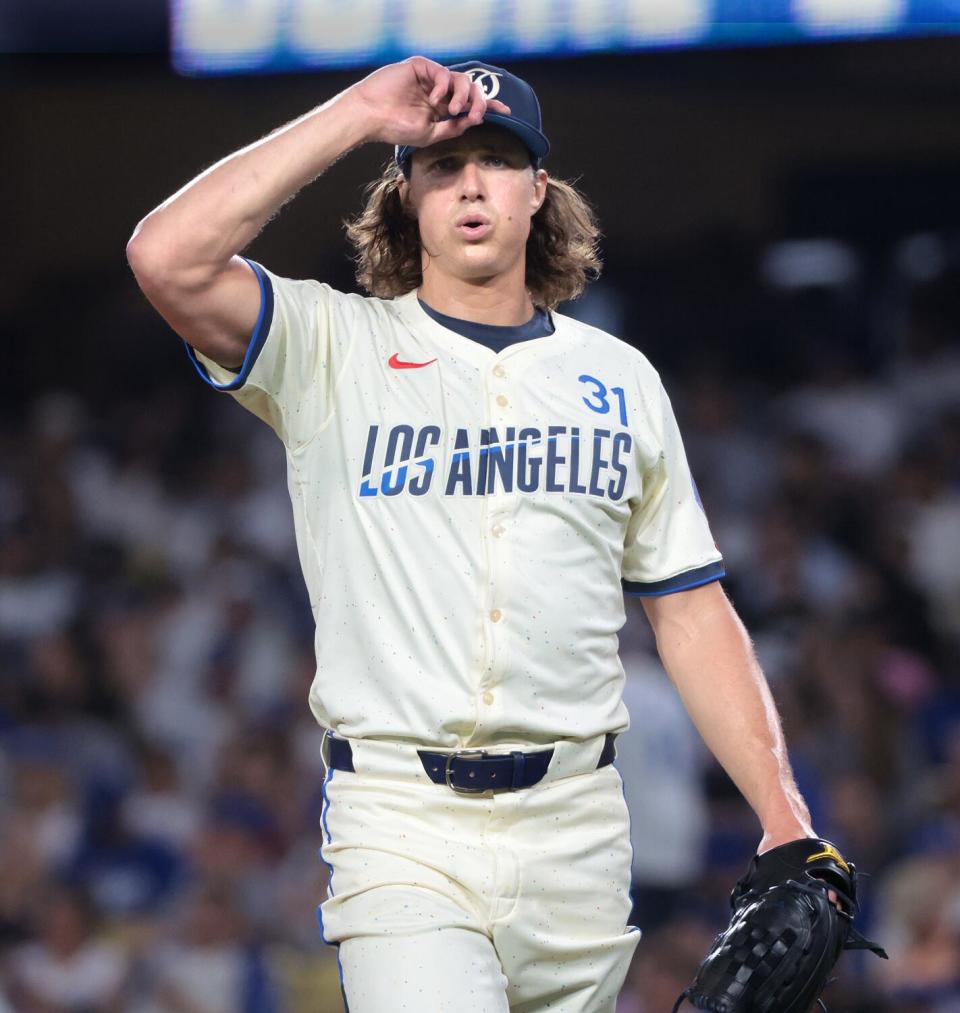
x: 476, y: 480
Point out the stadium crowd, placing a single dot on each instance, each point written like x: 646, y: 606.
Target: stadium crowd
x: 160, y: 772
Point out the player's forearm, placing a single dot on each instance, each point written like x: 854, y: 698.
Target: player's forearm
x: 216, y: 215
x: 708, y: 655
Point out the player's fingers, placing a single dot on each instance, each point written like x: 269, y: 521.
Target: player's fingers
x: 447, y: 129
x: 477, y: 105
x: 494, y: 105
x: 461, y: 93
x: 441, y: 86
x: 426, y: 72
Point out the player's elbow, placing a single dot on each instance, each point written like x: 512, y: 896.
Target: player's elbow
x: 151, y: 264
x: 213, y: 310
x: 162, y: 262
x: 175, y: 289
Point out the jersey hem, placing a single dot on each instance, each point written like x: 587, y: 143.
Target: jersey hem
x: 260, y: 331
x: 679, y: 582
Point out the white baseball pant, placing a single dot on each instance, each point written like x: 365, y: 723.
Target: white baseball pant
x: 447, y: 903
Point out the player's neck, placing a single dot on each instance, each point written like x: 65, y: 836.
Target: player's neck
x: 493, y: 301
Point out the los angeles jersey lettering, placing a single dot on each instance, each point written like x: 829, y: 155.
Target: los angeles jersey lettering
x: 526, y: 459
x: 467, y: 524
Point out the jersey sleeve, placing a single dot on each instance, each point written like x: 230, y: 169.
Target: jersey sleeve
x: 668, y: 545
x: 291, y: 363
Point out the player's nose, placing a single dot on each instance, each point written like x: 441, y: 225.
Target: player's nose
x: 471, y: 181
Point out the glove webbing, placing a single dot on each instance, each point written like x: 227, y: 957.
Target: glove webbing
x: 752, y: 945
x: 755, y: 953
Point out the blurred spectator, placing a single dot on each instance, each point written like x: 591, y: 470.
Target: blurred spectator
x: 936, y: 798
x: 67, y: 968
x: 160, y: 807
x: 926, y: 376
x: 127, y: 874
x: 920, y: 919
x: 730, y: 460
x: 43, y: 810
x: 851, y: 412
x: 40, y: 824
x: 665, y: 964
x: 239, y: 846
x: 930, y: 511
x: 661, y: 759
x: 212, y: 966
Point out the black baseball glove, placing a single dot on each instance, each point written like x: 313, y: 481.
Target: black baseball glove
x: 786, y: 933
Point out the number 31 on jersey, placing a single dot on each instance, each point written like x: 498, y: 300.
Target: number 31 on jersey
x: 597, y: 400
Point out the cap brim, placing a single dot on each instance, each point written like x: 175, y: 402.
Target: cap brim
x: 532, y: 138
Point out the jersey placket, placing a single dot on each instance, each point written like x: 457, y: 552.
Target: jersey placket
x: 495, y: 524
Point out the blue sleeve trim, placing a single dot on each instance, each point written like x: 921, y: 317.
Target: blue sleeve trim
x: 260, y: 331
x: 681, y: 582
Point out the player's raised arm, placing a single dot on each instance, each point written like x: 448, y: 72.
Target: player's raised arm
x: 184, y: 253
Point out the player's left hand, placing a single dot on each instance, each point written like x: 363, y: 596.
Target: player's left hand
x: 792, y: 916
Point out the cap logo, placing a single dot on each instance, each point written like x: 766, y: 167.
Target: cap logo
x: 488, y: 80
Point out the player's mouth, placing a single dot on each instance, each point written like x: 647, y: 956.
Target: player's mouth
x: 474, y: 225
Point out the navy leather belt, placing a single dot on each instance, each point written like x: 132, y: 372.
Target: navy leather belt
x: 472, y: 771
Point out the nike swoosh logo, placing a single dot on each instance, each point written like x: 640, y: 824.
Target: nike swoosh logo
x: 395, y: 362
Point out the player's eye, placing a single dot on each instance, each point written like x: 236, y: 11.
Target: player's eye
x: 443, y: 165
x: 495, y: 160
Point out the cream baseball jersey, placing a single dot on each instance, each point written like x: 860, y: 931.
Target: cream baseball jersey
x: 468, y: 521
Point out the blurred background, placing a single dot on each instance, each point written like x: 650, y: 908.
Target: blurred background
x: 782, y: 240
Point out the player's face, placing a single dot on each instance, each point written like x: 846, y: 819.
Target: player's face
x: 474, y: 197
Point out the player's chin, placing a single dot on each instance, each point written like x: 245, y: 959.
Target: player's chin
x: 479, y: 263
x: 479, y: 246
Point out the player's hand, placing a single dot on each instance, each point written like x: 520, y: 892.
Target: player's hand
x: 419, y: 102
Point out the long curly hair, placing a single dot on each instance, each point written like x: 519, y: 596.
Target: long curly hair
x: 562, y: 248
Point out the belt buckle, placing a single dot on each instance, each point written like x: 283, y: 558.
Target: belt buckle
x: 448, y: 772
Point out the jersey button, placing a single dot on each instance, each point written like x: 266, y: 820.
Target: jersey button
x: 488, y: 698
x: 502, y: 400
x: 498, y: 370
x: 497, y: 530
x: 496, y: 615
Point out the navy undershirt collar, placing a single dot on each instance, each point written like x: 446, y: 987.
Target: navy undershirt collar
x: 495, y: 336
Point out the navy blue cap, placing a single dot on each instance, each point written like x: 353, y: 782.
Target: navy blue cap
x: 524, y: 120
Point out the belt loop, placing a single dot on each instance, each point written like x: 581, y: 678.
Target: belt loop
x: 339, y: 753
x: 519, y: 761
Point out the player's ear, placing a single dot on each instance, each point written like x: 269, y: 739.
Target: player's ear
x: 540, y: 181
